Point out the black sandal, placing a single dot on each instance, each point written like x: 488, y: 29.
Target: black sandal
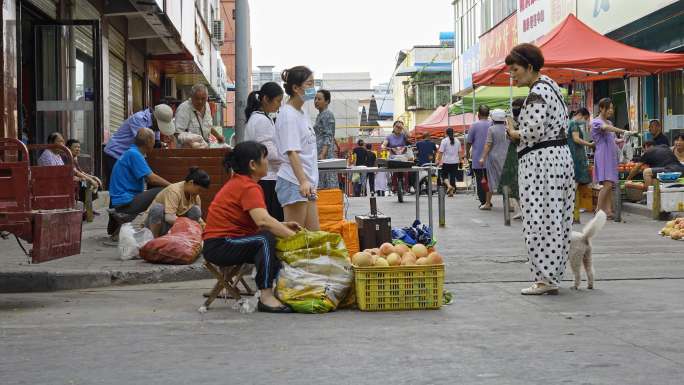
x: 268, y: 309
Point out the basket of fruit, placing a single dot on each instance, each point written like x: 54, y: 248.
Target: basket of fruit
x: 398, y: 278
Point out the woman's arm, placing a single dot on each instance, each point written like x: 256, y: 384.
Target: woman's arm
x: 532, y: 118
x: 609, y: 128
x: 262, y: 219
x: 305, y: 187
x: 511, y: 126
x: 576, y: 138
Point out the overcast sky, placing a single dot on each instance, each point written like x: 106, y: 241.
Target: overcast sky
x: 344, y: 35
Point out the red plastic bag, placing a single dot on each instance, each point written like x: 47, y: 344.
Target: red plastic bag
x: 181, y: 246
x: 485, y: 184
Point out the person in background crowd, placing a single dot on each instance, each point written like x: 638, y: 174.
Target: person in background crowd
x: 194, y: 115
x: 657, y: 158
x: 449, y: 159
x: 296, y: 143
x: 325, y: 136
x: 546, y: 174
x: 577, y: 144
x: 509, y: 175
x: 261, y: 105
x: 48, y: 157
x: 158, y: 119
x: 656, y: 130
x: 398, y: 144
x: 240, y: 230
x: 606, y: 155
x: 494, y: 154
x: 477, y: 138
x: 176, y: 200
x: 361, y: 155
x: 128, y: 197
x: 85, y: 180
x: 426, y: 150
x: 371, y: 161
x: 678, y: 148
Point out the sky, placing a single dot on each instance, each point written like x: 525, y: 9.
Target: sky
x: 344, y: 35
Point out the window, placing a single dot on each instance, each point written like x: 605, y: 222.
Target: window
x: 502, y: 9
x: 486, y: 15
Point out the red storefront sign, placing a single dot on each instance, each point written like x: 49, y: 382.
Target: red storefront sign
x: 497, y: 43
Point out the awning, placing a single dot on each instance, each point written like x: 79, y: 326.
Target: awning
x: 431, y: 68
x: 575, y: 52
x: 493, y: 97
x: 437, y: 123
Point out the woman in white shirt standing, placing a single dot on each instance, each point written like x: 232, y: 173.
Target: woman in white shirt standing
x: 296, y: 142
x: 261, y: 105
x: 448, y: 157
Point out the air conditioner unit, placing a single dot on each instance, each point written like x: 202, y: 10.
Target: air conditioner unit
x: 169, y: 88
x: 218, y: 31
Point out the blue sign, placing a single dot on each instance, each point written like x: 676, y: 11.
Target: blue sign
x: 471, y: 64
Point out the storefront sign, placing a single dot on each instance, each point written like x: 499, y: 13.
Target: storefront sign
x: 537, y: 17
x: 470, y: 60
x: 497, y: 43
x: 608, y: 15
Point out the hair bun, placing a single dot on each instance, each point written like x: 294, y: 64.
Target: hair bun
x: 284, y: 75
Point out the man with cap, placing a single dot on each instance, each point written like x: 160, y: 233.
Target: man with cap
x: 127, y: 193
x: 159, y: 119
x: 656, y: 130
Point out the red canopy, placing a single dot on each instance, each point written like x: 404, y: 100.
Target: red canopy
x: 575, y: 52
x: 437, y: 123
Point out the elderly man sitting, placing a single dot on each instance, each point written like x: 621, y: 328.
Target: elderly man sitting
x: 128, y: 197
x: 657, y: 158
x: 193, y: 116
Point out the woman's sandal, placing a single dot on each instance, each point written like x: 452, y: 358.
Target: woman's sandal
x: 268, y: 309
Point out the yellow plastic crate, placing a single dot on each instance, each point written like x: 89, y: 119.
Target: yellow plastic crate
x: 399, y: 287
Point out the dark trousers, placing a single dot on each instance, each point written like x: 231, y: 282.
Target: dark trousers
x: 480, y: 173
x: 258, y: 249
x: 275, y: 209
x: 139, y: 204
x: 395, y: 181
x: 451, y: 171
x: 371, y: 183
x: 108, y: 162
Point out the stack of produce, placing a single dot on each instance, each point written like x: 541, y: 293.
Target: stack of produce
x: 330, y: 205
x: 674, y: 229
x: 390, y: 256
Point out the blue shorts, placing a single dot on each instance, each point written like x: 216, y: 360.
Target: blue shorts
x: 288, y: 192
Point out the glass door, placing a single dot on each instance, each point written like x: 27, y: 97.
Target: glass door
x: 67, y: 95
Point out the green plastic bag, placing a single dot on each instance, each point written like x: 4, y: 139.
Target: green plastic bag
x: 317, y: 273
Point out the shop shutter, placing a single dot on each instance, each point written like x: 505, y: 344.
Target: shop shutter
x: 83, y: 36
x: 48, y: 7
x: 117, y: 110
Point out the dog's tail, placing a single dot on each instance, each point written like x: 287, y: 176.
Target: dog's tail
x: 594, y: 226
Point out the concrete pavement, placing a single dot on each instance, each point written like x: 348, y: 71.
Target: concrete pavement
x: 624, y: 332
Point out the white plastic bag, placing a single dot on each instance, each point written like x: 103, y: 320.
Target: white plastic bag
x: 190, y: 140
x: 131, y: 240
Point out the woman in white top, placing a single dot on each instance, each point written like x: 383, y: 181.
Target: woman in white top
x: 296, y: 142
x: 449, y: 158
x: 261, y: 128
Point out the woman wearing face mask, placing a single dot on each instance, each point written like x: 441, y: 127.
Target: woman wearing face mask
x: 545, y: 171
x: 260, y: 128
x: 606, y: 155
x: 296, y: 143
x: 325, y: 136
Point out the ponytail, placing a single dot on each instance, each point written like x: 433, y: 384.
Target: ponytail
x: 253, y: 104
x: 450, y: 134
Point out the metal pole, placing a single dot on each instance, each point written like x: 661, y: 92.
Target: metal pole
x: 429, y: 192
x: 507, y: 205
x: 441, y: 197
x: 417, y: 187
x: 241, y: 65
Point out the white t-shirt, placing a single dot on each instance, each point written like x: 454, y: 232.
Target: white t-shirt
x: 450, y: 152
x: 260, y: 128
x: 295, y: 133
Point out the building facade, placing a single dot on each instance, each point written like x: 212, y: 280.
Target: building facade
x: 81, y: 67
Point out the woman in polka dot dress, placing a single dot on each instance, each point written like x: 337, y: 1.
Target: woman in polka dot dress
x: 545, y: 174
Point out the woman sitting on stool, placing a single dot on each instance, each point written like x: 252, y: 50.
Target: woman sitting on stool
x: 240, y: 230
x: 178, y: 200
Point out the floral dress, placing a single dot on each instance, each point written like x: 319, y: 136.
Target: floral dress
x: 546, y: 179
x: 325, y: 135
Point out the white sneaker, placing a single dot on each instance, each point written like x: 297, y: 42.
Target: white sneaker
x: 540, y: 288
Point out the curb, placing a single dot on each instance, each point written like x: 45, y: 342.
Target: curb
x: 44, y: 281
x: 637, y: 209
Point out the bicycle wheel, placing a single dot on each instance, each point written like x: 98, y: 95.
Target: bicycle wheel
x: 400, y: 189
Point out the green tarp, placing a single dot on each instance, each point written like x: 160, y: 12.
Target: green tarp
x: 494, y: 97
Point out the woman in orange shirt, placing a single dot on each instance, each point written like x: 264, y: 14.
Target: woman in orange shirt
x: 240, y: 230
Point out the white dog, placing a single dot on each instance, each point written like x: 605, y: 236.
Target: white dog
x: 580, y: 249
